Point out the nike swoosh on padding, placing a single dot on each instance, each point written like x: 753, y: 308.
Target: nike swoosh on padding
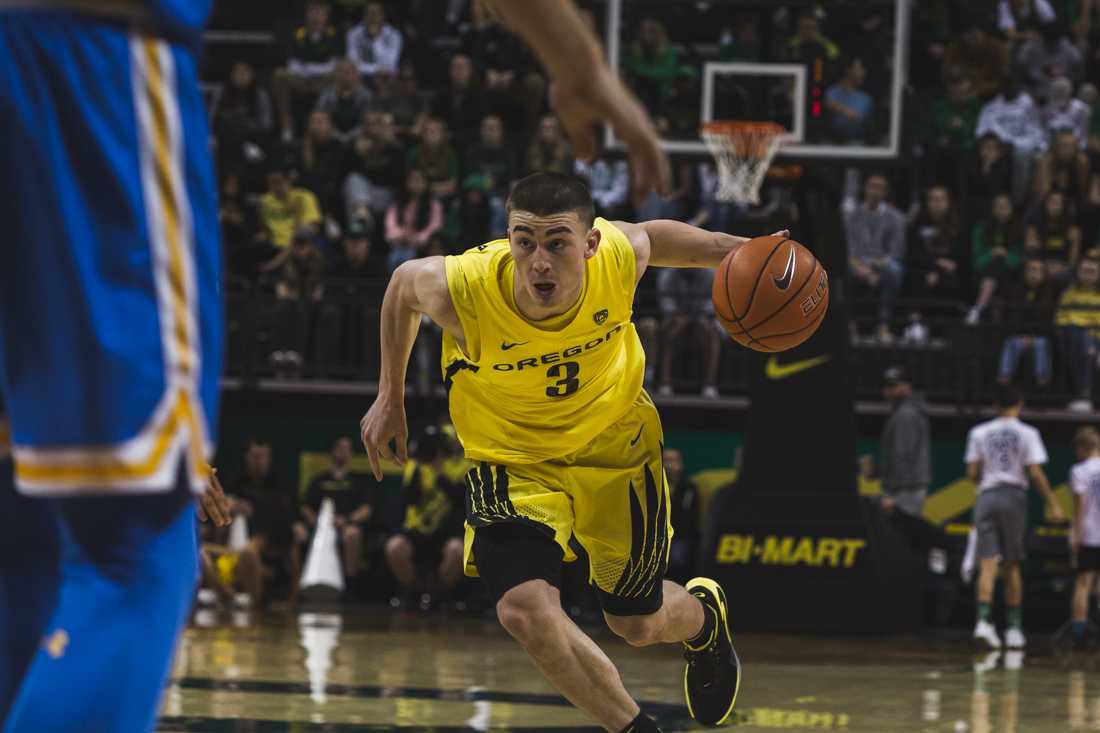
x: 774, y: 370
x: 788, y: 273
x: 638, y: 435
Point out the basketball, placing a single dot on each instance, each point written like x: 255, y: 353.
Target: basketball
x: 770, y: 294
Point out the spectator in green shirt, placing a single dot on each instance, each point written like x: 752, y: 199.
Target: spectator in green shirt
x: 653, y: 64
x: 951, y: 122
x: 952, y: 119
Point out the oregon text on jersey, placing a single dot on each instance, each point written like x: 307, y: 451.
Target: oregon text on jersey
x: 557, y: 356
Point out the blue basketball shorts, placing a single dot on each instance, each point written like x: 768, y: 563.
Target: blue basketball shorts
x: 110, y: 317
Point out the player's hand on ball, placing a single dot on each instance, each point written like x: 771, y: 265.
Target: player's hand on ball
x: 213, y: 503
x: 384, y: 421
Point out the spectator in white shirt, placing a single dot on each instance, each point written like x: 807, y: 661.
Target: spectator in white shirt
x: 374, y: 45
x: 1014, y: 118
x: 1004, y: 453
x: 1066, y: 112
x: 608, y: 180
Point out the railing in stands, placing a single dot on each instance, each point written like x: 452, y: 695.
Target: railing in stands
x: 336, y: 340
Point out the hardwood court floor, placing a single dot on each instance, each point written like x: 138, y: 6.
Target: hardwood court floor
x: 381, y: 671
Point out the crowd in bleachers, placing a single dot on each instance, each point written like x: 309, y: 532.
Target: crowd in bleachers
x: 337, y: 163
x: 1003, y: 226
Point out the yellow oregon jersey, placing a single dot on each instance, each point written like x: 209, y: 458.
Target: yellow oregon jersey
x: 531, y: 391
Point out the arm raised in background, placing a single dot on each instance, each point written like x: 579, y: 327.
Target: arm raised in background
x: 584, y: 92
x: 668, y: 243
x: 418, y: 287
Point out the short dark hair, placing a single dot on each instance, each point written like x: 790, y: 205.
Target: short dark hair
x: 1008, y: 395
x: 546, y: 193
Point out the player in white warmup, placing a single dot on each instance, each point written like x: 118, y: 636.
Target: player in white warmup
x: 1084, y: 480
x: 1004, y: 452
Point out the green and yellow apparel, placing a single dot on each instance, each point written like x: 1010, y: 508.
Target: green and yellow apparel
x: 1080, y: 307
x: 320, y: 49
x: 284, y: 216
x: 348, y: 492
x: 434, y: 501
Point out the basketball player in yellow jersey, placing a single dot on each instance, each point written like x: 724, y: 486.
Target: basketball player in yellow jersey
x: 544, y: 372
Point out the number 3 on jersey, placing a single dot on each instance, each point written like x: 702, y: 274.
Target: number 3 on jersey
x: 568, y: 383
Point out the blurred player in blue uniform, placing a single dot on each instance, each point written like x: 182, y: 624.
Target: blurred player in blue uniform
x: 110, y: 350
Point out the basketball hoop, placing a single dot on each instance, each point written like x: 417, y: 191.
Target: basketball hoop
x: 743, y: 152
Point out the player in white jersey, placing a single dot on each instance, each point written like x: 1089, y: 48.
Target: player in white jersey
x: 1084, y: 480
x: 1004, y: 453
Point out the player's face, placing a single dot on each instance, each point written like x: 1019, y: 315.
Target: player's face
x: 1002, y: 208
x: 549, y: 252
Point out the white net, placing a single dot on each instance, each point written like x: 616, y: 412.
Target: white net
x: 743, y: 152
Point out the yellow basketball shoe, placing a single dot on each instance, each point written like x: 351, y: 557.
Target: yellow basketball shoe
x: 712, y: 675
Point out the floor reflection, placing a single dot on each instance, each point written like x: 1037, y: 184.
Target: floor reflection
x: 376, y: 671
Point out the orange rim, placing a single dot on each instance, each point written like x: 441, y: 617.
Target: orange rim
x: 737, y: 127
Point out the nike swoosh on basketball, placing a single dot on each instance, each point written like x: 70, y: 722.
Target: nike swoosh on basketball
x: 784, y: 282
x: 774, y: 370
x: 504, y: 345
x: 638, y: 435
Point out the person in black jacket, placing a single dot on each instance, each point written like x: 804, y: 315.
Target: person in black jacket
x: 1028, y: 315
x: 904, y: 446
x: 685, y: 518
x: 933, y: 252
x: 426, y: 554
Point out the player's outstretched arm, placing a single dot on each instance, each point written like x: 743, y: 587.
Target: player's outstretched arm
x: 416, y: 287
x: 668, y: 243
x: 584, y: 91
